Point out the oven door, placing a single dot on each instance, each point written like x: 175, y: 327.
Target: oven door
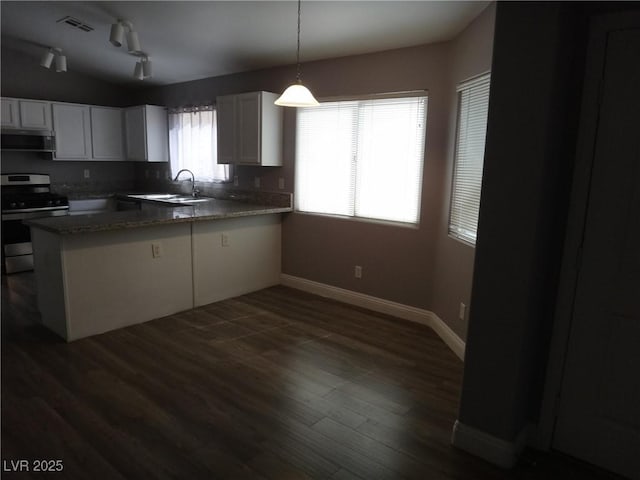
x: 17, y: 251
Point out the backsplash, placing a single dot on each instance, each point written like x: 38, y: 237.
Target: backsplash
x: 107, y: 178
x: 68, y: 178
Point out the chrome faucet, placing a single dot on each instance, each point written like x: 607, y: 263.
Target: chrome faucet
x: 194, y: 190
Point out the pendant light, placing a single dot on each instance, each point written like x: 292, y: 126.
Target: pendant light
x: 297, y: 95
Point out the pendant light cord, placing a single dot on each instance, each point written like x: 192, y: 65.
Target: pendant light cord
x: 298, y: 50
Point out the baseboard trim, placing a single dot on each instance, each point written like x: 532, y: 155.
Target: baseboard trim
x: 406, y: 312
x: 492, y: 449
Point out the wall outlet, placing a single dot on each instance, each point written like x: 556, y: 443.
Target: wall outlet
x: 281, y: 183
x: 156, y: 250
x: 87, y: 173
x: 236, y: 181
x: 357, y: 271
x: 462, y: 313
x: 256, y: 182
x: 157, y: 174
x: 224, y: 239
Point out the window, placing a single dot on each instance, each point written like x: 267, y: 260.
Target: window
x: 193, y: 145
x: 473, y: 106
x: 362, y: 158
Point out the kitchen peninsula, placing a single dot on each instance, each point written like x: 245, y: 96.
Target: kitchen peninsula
x: 100, y: 272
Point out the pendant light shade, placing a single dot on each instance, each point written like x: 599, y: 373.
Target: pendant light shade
x: 297, y: 95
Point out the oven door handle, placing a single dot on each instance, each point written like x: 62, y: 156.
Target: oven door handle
x: 25, y: 215
x: 35, y: 209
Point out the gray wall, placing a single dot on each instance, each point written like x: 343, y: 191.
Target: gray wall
x: 23, y: 77
x: 421, y: 266
x: 453, y: 266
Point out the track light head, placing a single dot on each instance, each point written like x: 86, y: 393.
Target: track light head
x: 117, y: 34
x: 137, y: 71
x: 146, y: 67
x: 133, y: 43
x: 61, y: 63
x: 47, y: 59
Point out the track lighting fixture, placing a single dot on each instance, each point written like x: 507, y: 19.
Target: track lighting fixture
x: 117, y: 35
x: 143, y: 68
x: 52, y: 54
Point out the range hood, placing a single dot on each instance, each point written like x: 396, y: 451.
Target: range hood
x: 17, y: 140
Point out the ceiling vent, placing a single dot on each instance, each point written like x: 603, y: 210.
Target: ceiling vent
x: 75, y: 23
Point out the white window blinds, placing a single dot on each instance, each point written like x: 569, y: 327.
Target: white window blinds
x: 362, y: 158
x: 473, y: 106
x: 193, y: 144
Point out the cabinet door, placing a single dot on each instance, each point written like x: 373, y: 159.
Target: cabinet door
x: 248, y: 128
x: 72, y: 126
x: 106, y: 133
x: 34, y: 114
x: 157, y: 133
x: 10, y: 114
x: 136, y: 133
x: 225, y: 112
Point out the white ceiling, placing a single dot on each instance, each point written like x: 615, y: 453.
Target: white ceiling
x: 189, y: 40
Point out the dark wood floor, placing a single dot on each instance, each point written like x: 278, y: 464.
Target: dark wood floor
x: 276, y: 384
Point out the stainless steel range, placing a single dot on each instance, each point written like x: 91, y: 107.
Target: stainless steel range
x: 25, y: 196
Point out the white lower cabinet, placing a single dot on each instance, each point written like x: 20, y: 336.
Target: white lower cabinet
x: 235, y: 256
x: 101, y: 281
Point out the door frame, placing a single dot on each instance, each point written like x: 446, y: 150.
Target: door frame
x: 600, y: 26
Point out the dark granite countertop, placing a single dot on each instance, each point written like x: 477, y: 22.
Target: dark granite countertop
x: 214, y: 209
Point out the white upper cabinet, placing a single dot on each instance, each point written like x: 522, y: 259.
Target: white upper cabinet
x: 249, y: 129
x: 72, y: 125
x: 10, y: 113
x: 147, y: 133
x: 225, y: 108
x: 106, y: 133
x: 27, y: 114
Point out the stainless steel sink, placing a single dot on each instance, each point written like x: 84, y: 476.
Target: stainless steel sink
x: 156, y: 196
x: 189, y: 199
x: 172, y: 198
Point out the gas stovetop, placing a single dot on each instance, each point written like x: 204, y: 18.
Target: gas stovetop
x: 29, y: 192
x: 19, y: 201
